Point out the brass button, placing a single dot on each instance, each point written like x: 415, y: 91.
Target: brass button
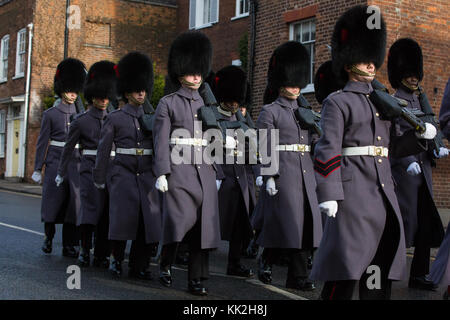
x: 137, y: 174
x: 382, y: 185
x: 198, y: 149
x: 196, y: 131
x: 195, y: 116
x: 378, y: 138
x: 367, y: 95
x: 198, y: 167
x: 377, y: 114
x: 302, y: 137
x: 138, y: 143
x: 139, y: 128
x: 380, y: 161
x: 237, y: 177
x: 303, y: 154
x: 68, y: 123
x: 304, y: 171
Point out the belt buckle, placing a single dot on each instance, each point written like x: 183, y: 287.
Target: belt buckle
x: 379, y: 151
x: 300, y: 147
x: 139, y: 152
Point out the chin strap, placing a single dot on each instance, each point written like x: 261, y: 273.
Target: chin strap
x: 410, y: 87
x: 288, y: 94
x: 355, y: 70
x: 190, y: 84
x: 135, y: 101
x: 66, y: 98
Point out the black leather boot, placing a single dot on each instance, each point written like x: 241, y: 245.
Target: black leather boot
x: 70, y: 251
x: 300, y: 283
x: 47, y: 245
x: 264, y: 272
x: 143, y: 274
x: 100, y: 262
x: 115, y: 267
x: 197, y: 288
x: 165, y: 277
x: 239, y: 270
x: 84, y: 258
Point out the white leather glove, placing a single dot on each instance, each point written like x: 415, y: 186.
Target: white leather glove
x: 443, y: 152
x: 329, y: 208
x: 414, y: 169
x: 259, y: 181
x: 218, y: 184
x: 430, y: 132
x: 37, y: 177
x: 270, y: 187
x: 99, y: 186
x: 59, y: 180
x: 161, y: 184
x: 230, y: 143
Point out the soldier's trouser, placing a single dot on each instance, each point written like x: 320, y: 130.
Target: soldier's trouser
x: 239, y: 235
x: 101, y: 246
x: 343, y: 290
x: 139, y: 252
x: 420, y: 264
x: 198, y: 266
x: 298, y: 260
x: 69, y: 233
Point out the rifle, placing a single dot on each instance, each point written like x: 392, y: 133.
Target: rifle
x: 147, y: 119
x: 307, y: 117
x: 391, y: 107
x: 206, y: 113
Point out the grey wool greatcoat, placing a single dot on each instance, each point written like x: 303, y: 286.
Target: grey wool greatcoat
x: 192, y: 192
x: 362, y: 185
x: 235, y: 185
x: 59, y: 204
x: 440, y: 269
x: 131, y: 183
x: 407, y: 186
x: 85, y: 130
x: 283, y: 214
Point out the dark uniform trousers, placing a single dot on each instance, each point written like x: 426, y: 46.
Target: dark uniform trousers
x: 239, y: 236
x: 101, y: 243
x: 420, y: 264
x: 198, y: 267
x: 343, y: 289
x: 70, y: 234
x: 140, y: 251
x: 298, y: 258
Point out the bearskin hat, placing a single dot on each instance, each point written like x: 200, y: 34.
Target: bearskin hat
x: 325, y: 82
x: 230, y: 84
x: 190, y: 53
x: 135, y: 73
x: 288, y: 67
x: 70, y: 76
x: 353, y: 42
x: 404, y: 60
x: 101, y: 81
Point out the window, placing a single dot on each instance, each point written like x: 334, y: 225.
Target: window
x: 2, y: 133
x: 20, y: 53
x: 203, y: 13
x: 242, y: 8
x: 237, y: 62
x: 305, y: 33
x: 4, y: 58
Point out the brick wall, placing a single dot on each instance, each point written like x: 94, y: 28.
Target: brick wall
x: 224, y: 35
x: 422, y: 21
x: 109, y: 29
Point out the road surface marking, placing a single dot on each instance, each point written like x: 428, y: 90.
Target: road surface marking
x: 19, y: 228
x: 20, y: 193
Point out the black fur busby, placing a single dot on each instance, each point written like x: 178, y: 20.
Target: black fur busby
x: 353, y: 42
x: 288, y: 67
x: 70, y: 76
x: 190, y: 53
x: 231, y: 85
x: 325, y: 81
x: 404, y: 60
x: 135, y: 73
x: 101, y: 81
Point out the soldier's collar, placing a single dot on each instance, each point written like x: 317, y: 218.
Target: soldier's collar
x: 97, y: 113
x: 405, y: 94
x: 188, y: 93
x: 133, y: 110
x: 285, y: 102
x: 358, y: 87
x: 66, y: 108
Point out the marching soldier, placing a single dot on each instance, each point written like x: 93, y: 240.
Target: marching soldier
x: 236, y: 201
x: 190, y: 203
x: 354, y: 184
x: 291, y: 217
x: 134, y: 212
x: 60, y: 204
x: 412, y: 174
x: 85, y: 130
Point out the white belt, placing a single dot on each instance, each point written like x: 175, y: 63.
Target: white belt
x: 373, y: 151
x: 94, y: 153
x: 293, y: 147
x: 189, y: 141
x: 61, y: 144
x: 134, y: 151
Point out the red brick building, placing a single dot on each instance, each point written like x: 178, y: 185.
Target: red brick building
x: 270, y: 23
x: 36, y: 31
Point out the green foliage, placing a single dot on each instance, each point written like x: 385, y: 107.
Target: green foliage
x: 48, y: 101
x: 243, y: 51
x: 158, y: 90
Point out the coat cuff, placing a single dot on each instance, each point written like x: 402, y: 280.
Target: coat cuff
x: 328, y: 191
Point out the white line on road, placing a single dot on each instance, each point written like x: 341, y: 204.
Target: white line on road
x: 19, y: 228
x: 21, y: 193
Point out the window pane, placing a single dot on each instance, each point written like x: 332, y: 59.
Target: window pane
x: 313, y: 30
x: 22, y: 63
x: 213, y: 4
x: 297, y: 34
x: 305, y: 32
x: 22, y: 42
x: 192, y: 8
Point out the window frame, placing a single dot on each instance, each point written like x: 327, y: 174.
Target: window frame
x: 310, y: 86
x: 4, y: 77
x: 237, y: 12
x: 19, y: 53
x: 199, y: 14
x: 2, y: 133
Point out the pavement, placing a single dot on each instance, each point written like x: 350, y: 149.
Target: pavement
x: 27, y: 273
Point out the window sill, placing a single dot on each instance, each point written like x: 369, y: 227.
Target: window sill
x: 99, y: 46
x: 203, y: 26
x: 308, y: 89
x: 18, y: 76
x: 240, y: 16
x: 3, y: 81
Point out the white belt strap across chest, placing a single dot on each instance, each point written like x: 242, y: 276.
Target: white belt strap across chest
x: 87, y: 152
x: 373, y: 151
x: 61, y: 144
x: 189, y: 141
x: 293, y: 147
x: 134, y: 151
